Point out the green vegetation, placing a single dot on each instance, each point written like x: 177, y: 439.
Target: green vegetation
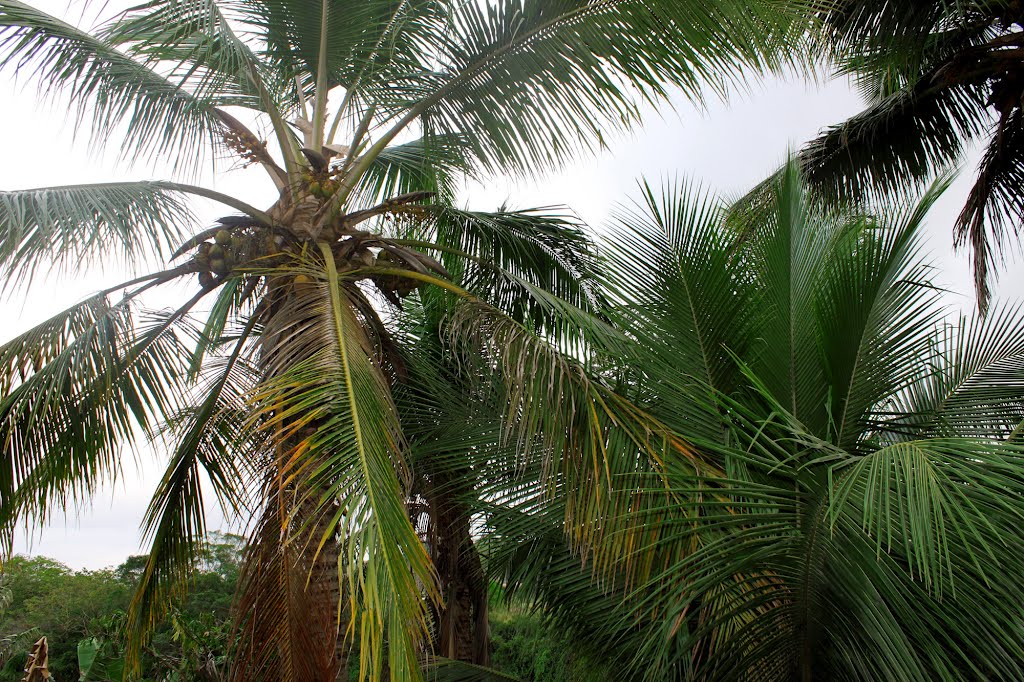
x: 290, y: 377
x: 855, y: 509
x: 528, y: 647
x: 937, y: 78
x: 83, y: 616
x: 730, y: 441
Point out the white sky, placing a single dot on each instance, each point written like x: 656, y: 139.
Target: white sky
x: 729, y: 147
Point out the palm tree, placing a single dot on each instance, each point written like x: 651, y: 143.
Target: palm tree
x: 859, y: 509
x: 284, y: 379
x: 936, y: 77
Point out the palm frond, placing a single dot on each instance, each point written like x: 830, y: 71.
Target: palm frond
x: 927, y: 496
x: 155, y: 117
x: 529, y: 84
x: 935, y: 77
x: 429, y: 164
x: 896, y: 146
x: 79, y: 226
x: 332, y: 400
x: 789, y: 252
x: 194, y: 45
x: 970, y: 385
x: 576, y: 430
x: 363, y: 44
x: 876, y: 309
x: 207, y: 439
x: 195, y: 38
x: 678, y: 291
x: 837, y: 537
x: 994, y: 205
x: 514, y: 254
x: 96, y: 386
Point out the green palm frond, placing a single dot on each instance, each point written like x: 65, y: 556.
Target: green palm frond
x: 789, y: 255
x: 794, y: 573
x: 76, y: 227
x: 971, y: 635
x: 194, y: 45
x: 514, y: 252
x: 936, y: 78
x: 194, y: 37
x: 876, y: 309
x: 577, y: 430
x: 675, y: 269
x: 380, y: 531
x: 527, y: 83
x: 207, y: 439
x: 96, y: 387
x: 348, y: 464
x: 846, y: 532
x: 362, y: 44
x: 994, y: 207
x: 897, y: 145
x: 526, y: 550
x: 156, y: 117
x: 970, y: 386
x: 929, y: 495
x: 429, y: 164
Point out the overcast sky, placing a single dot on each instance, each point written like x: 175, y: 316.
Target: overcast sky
x: 728, y: 146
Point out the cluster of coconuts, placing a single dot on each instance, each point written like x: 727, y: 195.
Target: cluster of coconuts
x: 393, y: 284
x: 227, y: 250
x: 245, y: 243
x: 322, y: 186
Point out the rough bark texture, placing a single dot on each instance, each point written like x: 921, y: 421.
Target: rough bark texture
x: 290, y: 592
x: 462, y: 630
x: 289, y: 596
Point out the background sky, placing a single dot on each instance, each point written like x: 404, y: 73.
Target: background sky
x: 727, y: 146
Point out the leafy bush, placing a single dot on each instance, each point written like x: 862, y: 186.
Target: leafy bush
x: 82, y: 615
x: 528, y: 647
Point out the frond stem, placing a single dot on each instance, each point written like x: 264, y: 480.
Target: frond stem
x: 153, y: 279
x: 320, y: 96
x: 219, y: 197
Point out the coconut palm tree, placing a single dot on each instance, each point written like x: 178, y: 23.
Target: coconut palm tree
x: 858, y: 515
x: 936, y: 78
x: 278, y: 378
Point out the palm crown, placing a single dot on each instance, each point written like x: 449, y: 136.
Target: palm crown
x: 856, y: 509
x: 280, y: 379
x: 936, y: 78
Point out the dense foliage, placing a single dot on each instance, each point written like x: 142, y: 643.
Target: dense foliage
x: 82, y: 615
x: 283, y: 377
x: 937, y: 78
x: 856, y: 511
x: 80, y: 612
x: 736, y: 442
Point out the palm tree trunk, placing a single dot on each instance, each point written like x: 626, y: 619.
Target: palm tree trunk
x: 462, y: 629
x: 316, y: 574
x: 290, y: 590
x: 287, y: 608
